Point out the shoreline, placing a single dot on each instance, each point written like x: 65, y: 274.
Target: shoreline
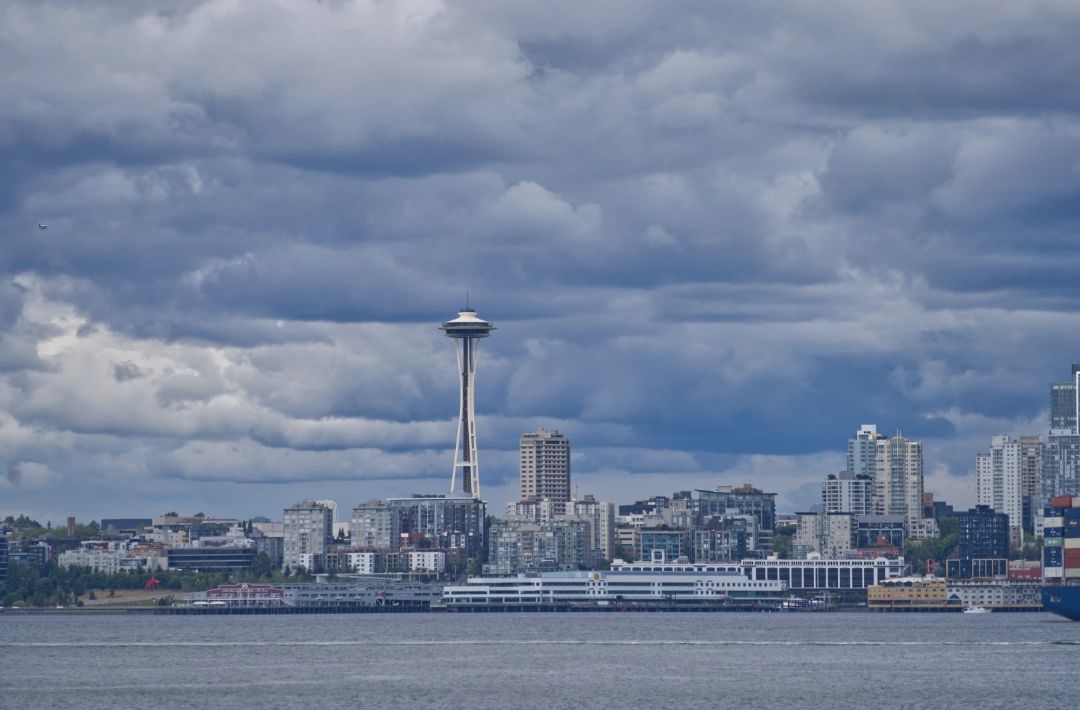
x: 475, y: 609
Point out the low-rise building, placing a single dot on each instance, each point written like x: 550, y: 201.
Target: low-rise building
x: 241, y: 595
x: 818, y: 573
x: 992, y: 593
x: 127, y: 525
x: 425, y: 561
x: 332, y: 595
x: 628, y: 583
x: 218, y: 559
x: 367, y: 561
x: 908, y: 594
x: 1021, y: 570
x: 97, y: 560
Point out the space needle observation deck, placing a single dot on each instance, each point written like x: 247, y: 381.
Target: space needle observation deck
x: 467, y: 329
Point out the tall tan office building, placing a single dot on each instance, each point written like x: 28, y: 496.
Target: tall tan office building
x: 545, y: 466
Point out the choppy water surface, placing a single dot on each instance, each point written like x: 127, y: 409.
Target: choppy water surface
x: 628, y: 660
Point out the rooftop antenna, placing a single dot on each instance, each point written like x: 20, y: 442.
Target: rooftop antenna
x: 466, y: 298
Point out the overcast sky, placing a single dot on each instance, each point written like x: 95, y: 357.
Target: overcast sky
x: 715, y: 239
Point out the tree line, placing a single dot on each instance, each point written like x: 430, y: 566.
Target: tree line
x: 50, y: 584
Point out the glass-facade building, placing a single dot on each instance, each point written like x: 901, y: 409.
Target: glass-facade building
x: 1059, y: 468
x: 983, y: 535
x: 458, y: 517
x: 674, y: 544
x: 746, y: 500
x: 1059, y: 463
x: 881, y: 531
x: 1065, y: 404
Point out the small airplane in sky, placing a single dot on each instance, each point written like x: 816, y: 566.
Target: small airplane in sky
x: 43, y: 226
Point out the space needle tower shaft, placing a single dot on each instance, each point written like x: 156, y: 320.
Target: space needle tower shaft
x: 467, y: 330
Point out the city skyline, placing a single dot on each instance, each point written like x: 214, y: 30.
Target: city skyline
x: 711, y: 252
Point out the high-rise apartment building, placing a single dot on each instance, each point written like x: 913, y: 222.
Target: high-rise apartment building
x: 331, y: 505
x: 1065, y: 405
x: 862, y: 451
x: 376, y: 524
x: 601, y: 516
x: 898, y: 482
x: 545, y: 466
x: 828, y: 534
x: 848, y: 492
x: 308, y: 530
x: 1059, y: 470
x: 452, y: 521
x: 1032, y: 452
x: 555, y: 546
x: 1007, y: 478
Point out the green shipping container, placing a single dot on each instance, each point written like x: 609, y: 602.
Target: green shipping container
x: 1052, y: 541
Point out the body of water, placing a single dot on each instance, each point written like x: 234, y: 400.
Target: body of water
x: 628, y: 660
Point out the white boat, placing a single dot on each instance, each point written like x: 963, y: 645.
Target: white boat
x: 976, y: 610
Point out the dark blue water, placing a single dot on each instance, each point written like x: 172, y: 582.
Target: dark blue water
x: 658, y: 660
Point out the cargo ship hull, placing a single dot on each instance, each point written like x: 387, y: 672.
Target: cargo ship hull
x: 1064, y: 601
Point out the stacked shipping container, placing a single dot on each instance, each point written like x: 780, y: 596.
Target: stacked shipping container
x: 1061, y: 541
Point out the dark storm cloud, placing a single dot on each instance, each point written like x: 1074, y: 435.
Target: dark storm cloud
x: 715, y: 238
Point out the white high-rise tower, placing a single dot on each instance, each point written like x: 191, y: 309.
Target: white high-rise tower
x: 467, y: 329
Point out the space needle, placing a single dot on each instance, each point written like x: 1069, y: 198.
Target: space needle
x: 467, y: 329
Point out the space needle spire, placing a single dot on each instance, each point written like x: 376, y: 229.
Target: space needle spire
x: 467, y: 330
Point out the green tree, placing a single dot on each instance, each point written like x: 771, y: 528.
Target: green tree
x: 261, y: 565
x: 932, y: 548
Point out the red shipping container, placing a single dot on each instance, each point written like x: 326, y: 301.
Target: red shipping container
x: 1072, y: 555
x: 1061, y: 502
